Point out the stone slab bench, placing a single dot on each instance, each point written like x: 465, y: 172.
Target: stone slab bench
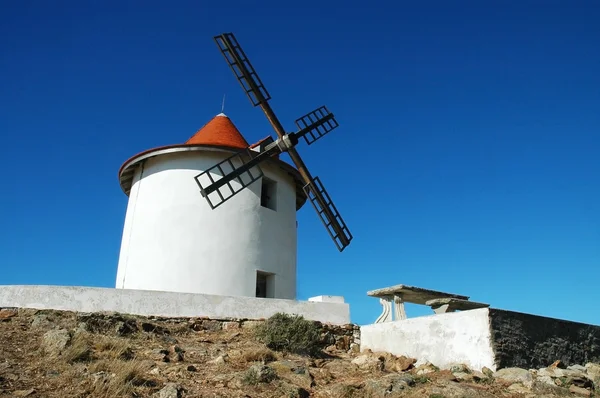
x: 443, y: 305
x: 401, y: 294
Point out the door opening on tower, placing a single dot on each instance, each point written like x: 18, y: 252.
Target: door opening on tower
x: 264, y: 284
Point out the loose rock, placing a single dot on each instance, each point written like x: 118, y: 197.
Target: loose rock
x: 593, y: 370
x: 515, y: 375
x: 211, y: 325
x: 519, y: 388
x: 54, y: 341
x: 24, y: 393
x: 221, y: 359
x: 579, y: 368
x: 176, y: 353
x: 546, y: 380
x: 251, y: 324
x: 6, y: 314
x: 263, y: 373
x: 342, y: 343
x: 159, y: 354
x: 41, y: 321
x: 402, y: 363
x: 231, y: 325
x: 171, y: 390
x: 125, y: 328
x: 426, y: 368
x: 294, y: 373
x: 460, y: 367
x: 479, y: 376
x: 580, y: 391
x: 367, y: 361
x: 558, y: 365
x: 487, y: 371
x: 463, y: 376
x: 297, y: 392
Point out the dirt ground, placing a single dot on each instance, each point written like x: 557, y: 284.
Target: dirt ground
x: 65, y: 354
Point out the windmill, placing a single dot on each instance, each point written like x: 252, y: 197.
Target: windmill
x: 244, y: 166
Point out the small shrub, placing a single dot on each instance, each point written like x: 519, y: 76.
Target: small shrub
x: 564, y: 381
x: 251, y: 377
x: 421, y: 379
x: 259, y: 374
x: 290, y: 333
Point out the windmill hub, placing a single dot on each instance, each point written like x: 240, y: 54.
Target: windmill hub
x: 286, y: 143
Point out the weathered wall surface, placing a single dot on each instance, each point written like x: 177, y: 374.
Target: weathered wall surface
x: 531, y: 341
x: 167, y: 304
x: 486, y: 337
x: 443, y: 339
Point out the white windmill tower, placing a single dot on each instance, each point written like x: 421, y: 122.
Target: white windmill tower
x: 243, y: 242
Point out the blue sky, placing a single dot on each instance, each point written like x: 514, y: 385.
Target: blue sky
x: 466, y: 159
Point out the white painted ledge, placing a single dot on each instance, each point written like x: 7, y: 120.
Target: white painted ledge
x: 442, y: 339
x: 327, y: 299
x: 167, y: 304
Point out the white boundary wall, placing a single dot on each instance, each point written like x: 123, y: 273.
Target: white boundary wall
x: 441, y: 339
x: 168, y: 304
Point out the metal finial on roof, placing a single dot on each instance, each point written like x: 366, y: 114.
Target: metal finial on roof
x: 223, y: 105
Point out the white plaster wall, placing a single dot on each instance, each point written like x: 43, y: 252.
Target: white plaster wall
x: 168, y: 304
x: 173, y: 241
x: 442, y: 339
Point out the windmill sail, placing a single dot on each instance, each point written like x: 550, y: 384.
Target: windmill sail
x: 328, y: 213
x: 315, y: 124
x: 242, y: 69
x: 228, y: 174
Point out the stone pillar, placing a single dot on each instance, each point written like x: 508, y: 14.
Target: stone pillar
x: 399, y: 311
x: 386, y: 315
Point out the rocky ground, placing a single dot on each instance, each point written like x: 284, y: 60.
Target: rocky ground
x: 64, y: 354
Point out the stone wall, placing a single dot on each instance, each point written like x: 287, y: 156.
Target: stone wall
x: 531, y: 341
x: 342, y: 337
x: 487, y: 337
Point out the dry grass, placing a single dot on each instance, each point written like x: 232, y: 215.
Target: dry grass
x: 118, y: 378
x: 110, y: 362
x: 263, y: 355
x: 85, y: 347
x: 113, y: 347
x: 80, y: 349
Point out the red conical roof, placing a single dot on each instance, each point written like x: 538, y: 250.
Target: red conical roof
x: 219, y: 131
